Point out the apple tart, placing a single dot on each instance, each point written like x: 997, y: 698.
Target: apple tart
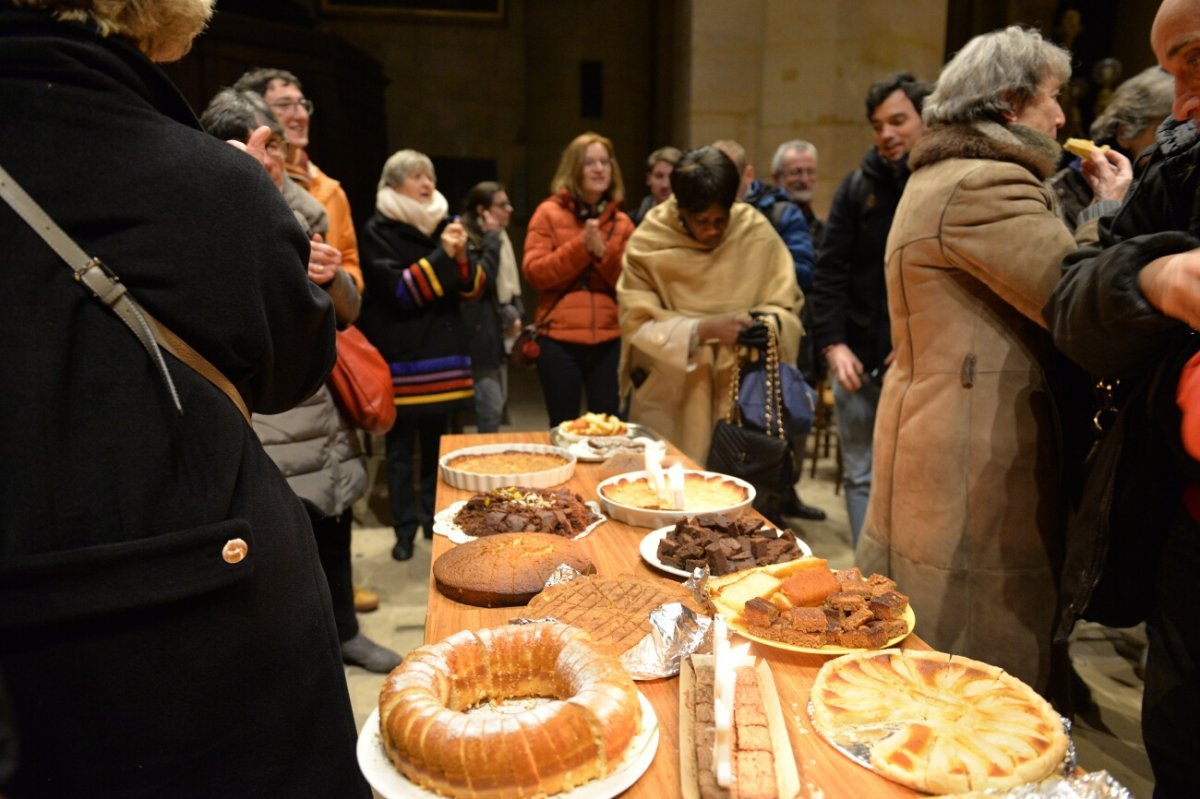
x: 938, y: 723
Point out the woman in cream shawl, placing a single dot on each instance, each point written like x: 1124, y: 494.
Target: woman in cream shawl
x: 694, y: 270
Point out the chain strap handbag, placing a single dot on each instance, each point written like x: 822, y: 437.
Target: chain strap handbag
x: 761, y: 458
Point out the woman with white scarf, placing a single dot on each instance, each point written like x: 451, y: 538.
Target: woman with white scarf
x: 495, y: 320
x: 416, y: 272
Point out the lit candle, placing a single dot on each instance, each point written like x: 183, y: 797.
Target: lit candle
x: 675, y: 478
x: 723, y: 685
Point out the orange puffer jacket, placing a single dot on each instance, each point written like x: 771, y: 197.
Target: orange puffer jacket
x: 578, y: 290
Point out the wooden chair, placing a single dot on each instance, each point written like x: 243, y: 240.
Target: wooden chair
x: 824, y: 433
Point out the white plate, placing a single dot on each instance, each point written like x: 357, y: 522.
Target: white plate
x: 472, y: 481
x: 586, y: 454
x: 562, y: 438
x: 444, y: 524
x: 653, y: 519
x: 391, y: 784
x: 649, y: 550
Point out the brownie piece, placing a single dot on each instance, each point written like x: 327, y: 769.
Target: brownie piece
x: 846, y: 601
x: 851, y: 575
x: 880, y: 584
x: 870, y: 636
x: 797, y: 638
x: 857, y: 618
x: 760, y: 612
x: 889, y: 605
x: 807, y: 620
x: 893, y: 628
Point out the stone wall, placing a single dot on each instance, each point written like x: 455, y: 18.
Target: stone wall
x: 765, y: 71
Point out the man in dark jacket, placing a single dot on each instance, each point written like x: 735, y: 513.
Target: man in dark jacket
x: 165, y: 629
x: 1127, y: 308
x: 849, y: 297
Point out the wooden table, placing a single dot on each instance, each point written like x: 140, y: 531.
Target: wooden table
x: 614, y: 549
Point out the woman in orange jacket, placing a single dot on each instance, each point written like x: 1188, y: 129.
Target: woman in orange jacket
x: 573, y: 252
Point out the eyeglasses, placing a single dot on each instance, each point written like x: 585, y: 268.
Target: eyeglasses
x: 498, y: 204
x: 277, y: 146
x: 291, y: 106
x: 591, y: 162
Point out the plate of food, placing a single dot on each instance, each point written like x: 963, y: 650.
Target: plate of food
x: 511, y: 509
x: 595, y: 449
x: 938, y: 723
x: 804, y: 606
x: 632, y: 498
x: 685, y: 545
x: 489, y: 466
x: 590, y: 424
x: 499, y: 729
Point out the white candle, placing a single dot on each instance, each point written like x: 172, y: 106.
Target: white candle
x: 675, y: 478
x: 723, y: 685
x: 654, y: 473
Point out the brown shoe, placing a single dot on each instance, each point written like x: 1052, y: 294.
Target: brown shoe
x: 365, y: 601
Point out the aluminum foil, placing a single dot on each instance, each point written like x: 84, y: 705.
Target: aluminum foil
x: 675, y: 631
x: 1096, y: 785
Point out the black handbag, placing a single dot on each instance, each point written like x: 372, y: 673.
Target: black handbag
x: 1115, y: 526
x: 763, y: 459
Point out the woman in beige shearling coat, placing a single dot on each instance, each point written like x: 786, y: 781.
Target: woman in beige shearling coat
x: 964, y: 511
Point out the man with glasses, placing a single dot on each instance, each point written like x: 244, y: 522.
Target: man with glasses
x: 285, y: 96
x: 794, y: 168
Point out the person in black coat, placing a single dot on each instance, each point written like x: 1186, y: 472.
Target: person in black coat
x: 416, y: 271
x: 851, y: 329
x: 165, y: 629
x: 1127, y: 311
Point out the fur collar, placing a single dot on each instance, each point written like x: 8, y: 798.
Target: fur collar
x: 1017, y: 144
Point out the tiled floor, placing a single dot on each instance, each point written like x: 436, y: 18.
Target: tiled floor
x: 1107, y: 737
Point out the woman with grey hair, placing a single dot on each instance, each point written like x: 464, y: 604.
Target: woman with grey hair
x: 416, y: 271
x: 965, y: 509
x: 1128, y: 123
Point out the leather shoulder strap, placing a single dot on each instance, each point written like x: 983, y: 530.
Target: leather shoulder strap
x: 106, y: 287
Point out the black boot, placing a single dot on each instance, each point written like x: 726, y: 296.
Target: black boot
x: 793, y: 506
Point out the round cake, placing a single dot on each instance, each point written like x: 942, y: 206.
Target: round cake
x: 434, y: 741
x: 506, y: 569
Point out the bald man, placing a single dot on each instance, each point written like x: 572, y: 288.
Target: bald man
x: 1126, y: 308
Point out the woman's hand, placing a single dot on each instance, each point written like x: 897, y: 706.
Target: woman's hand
x: 324, y: 261
x: 1108, y: 173
x: 488, y: 220
x: 454, y: 240
x: 592, y: 240
x: 721, y: 329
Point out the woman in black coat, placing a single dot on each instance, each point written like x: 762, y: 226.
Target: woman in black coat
x: 415, y: 274
x: 164, y: 626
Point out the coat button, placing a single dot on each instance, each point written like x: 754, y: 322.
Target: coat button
x: 235, y: 550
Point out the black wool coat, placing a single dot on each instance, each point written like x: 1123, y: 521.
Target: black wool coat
x: 138, y: 661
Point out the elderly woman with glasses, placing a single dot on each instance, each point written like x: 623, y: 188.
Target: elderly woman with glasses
x: 966, y: 512
x: 417, y: 273
x: 573, y: 250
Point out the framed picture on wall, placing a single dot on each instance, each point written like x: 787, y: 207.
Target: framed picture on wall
x: 479, y: 10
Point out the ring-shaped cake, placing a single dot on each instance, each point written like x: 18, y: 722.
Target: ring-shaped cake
x: 580, y: 735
